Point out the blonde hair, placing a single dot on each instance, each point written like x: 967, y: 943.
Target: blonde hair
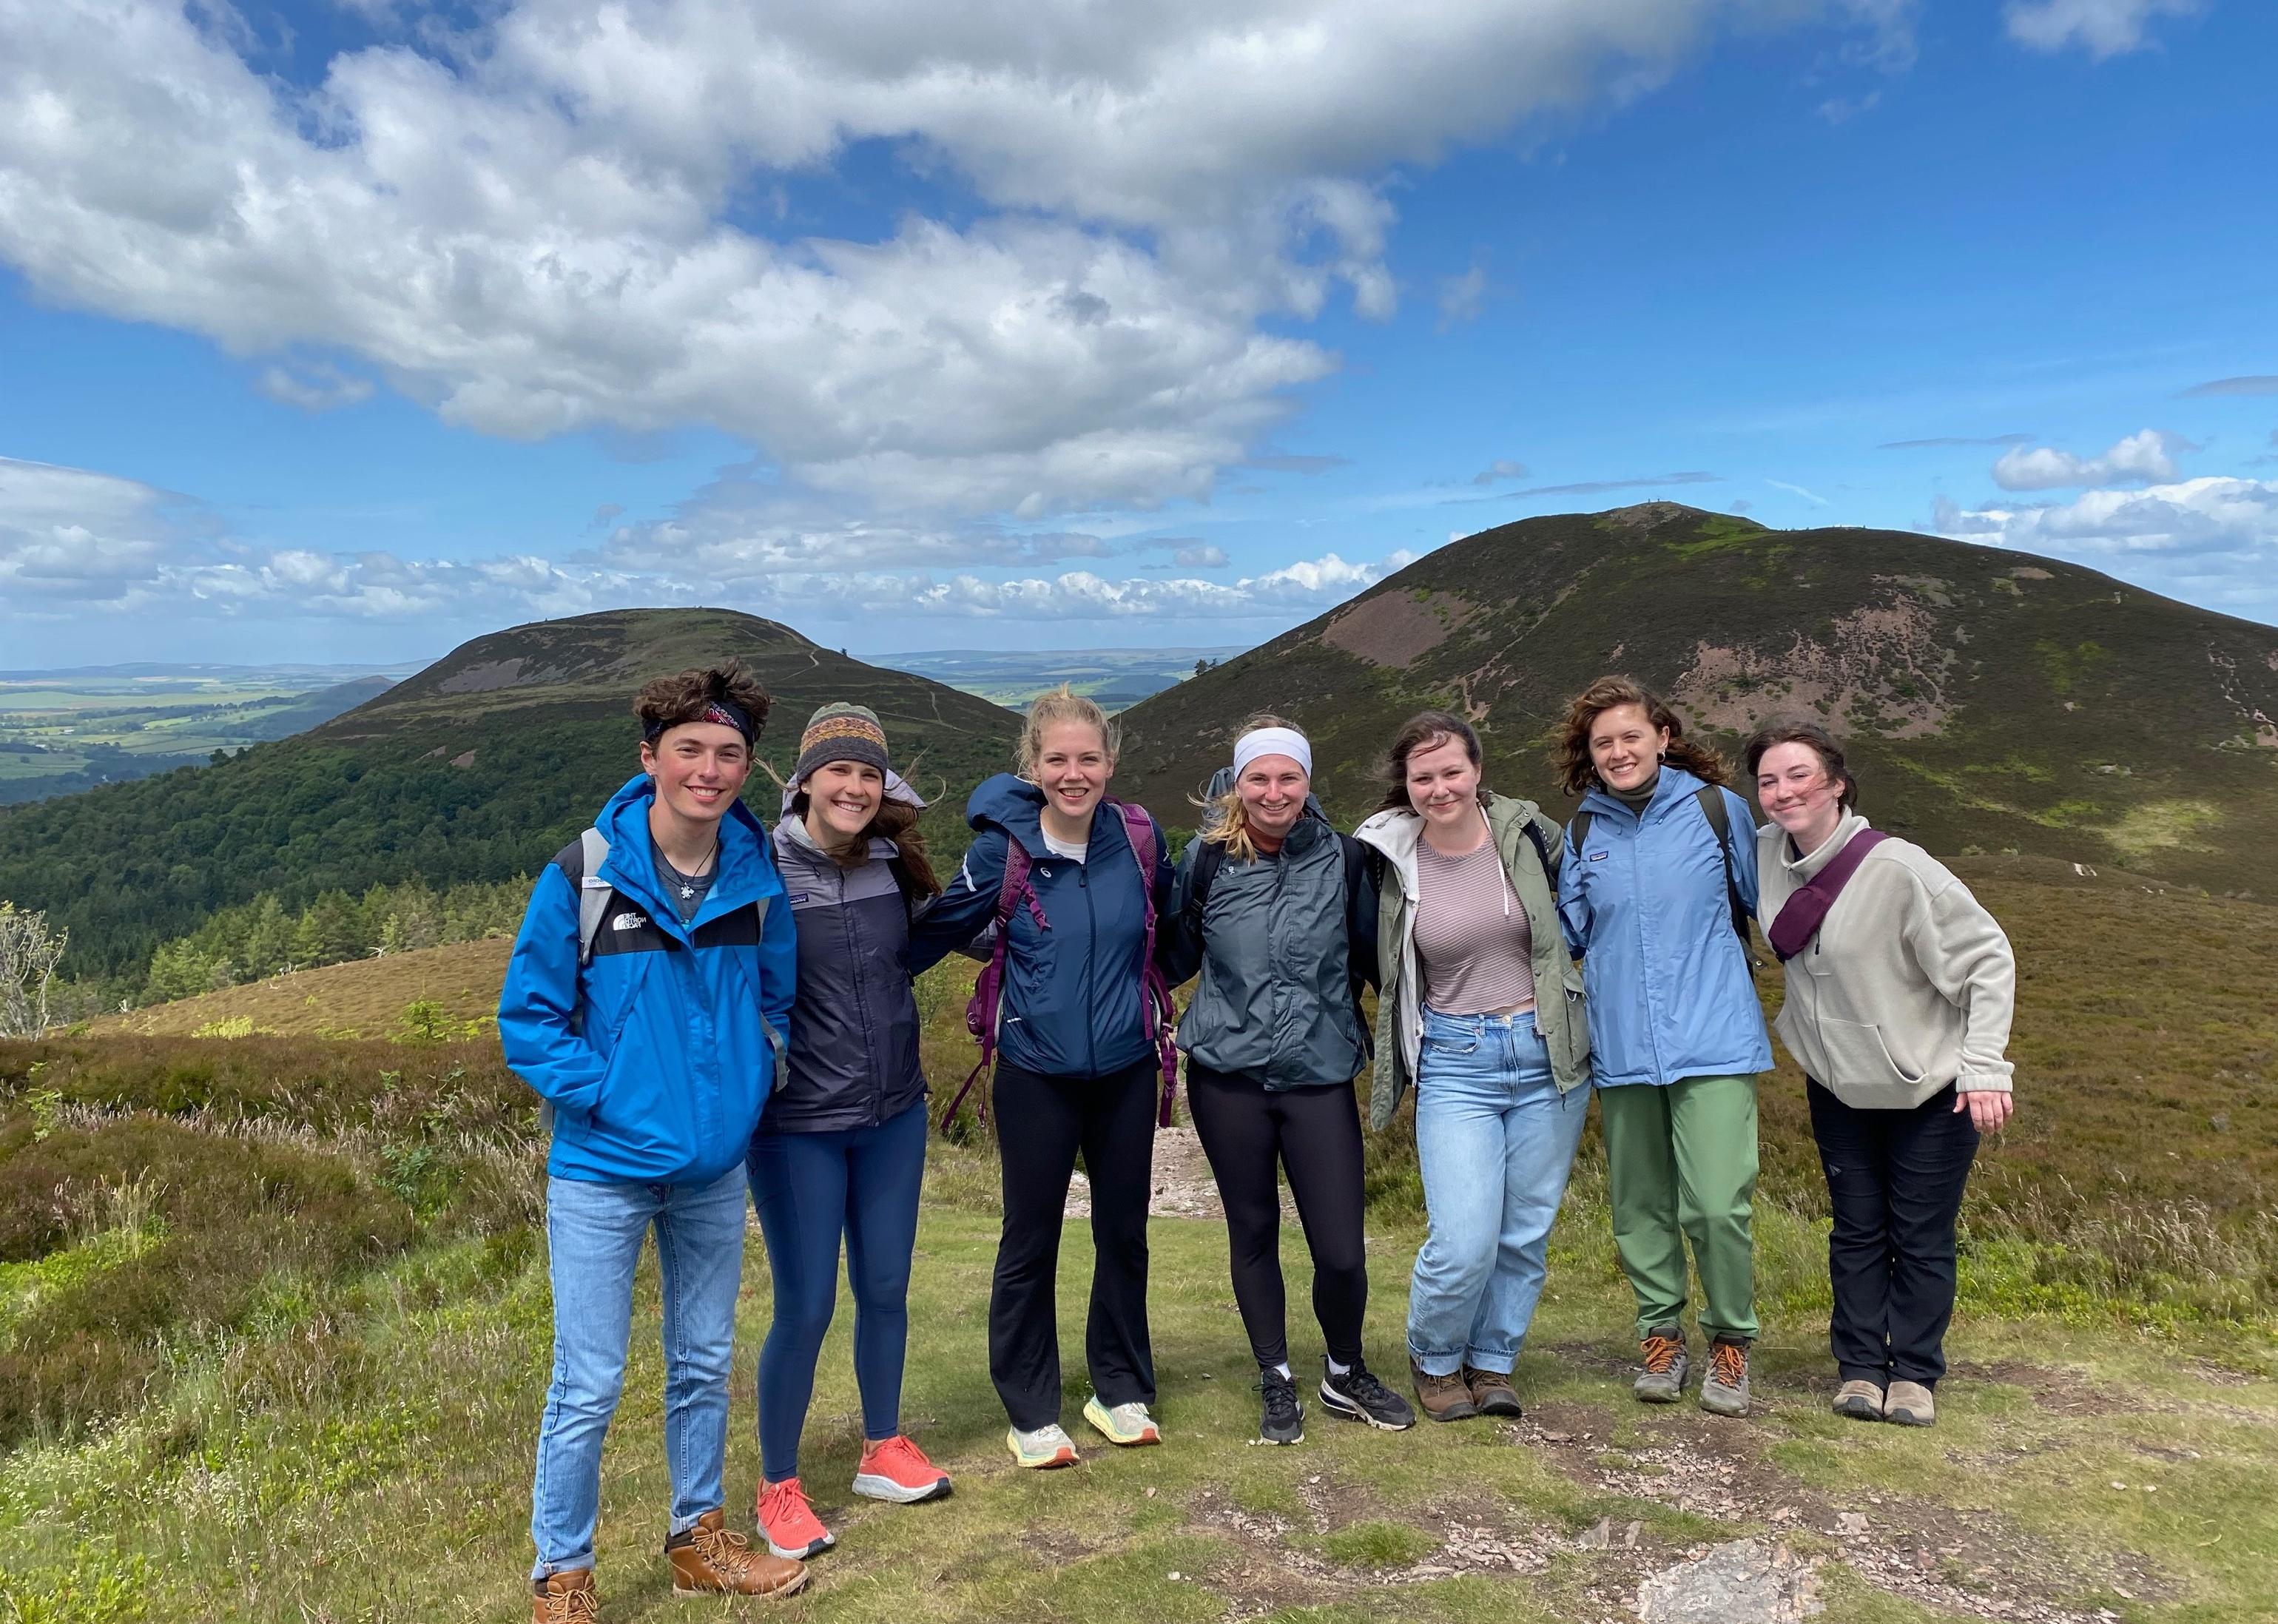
x: 1225, y: 821
x: 1064, y: 704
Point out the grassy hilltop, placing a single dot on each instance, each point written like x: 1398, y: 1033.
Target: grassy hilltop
x: 1991, y: 700
x: 479, y: 768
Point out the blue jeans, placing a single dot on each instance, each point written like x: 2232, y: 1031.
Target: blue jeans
x: 809, y: 1188
x: 1496, y: 1141
x: 593, y: 1235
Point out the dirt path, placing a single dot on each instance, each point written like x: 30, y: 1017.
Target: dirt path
x: 1184, y: 1187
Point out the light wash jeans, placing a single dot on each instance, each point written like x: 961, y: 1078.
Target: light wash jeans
x: 593, y: 1235
x: 1496, y: 1141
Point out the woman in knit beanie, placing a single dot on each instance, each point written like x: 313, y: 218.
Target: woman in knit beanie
x: 841, y: 1144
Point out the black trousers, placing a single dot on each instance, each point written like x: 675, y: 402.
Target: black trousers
x: 1894, y: 1179
x: 1042, y: 1122
x: 1247, y: 1131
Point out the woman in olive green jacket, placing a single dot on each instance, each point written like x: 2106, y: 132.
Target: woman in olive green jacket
x: 1482, y: 1007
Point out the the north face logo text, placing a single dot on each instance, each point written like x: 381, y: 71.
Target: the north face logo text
x: 628, y: 922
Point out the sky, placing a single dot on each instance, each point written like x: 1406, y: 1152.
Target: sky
x: 351, y: 329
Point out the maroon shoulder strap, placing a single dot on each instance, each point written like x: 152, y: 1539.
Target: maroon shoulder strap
x: 1805, y: 910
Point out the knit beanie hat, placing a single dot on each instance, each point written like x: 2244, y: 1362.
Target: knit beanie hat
x: 840, y: 733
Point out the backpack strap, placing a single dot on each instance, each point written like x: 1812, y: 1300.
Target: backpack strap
x: 985, y: 1008
x: 1712, y: 807
x: 1543, y: 854
x: 1578, y: 829
x: 1158, y: 1009
x: 1210, y: 857
x: 594, y: 892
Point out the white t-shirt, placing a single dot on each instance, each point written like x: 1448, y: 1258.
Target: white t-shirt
x: 1072, y: 850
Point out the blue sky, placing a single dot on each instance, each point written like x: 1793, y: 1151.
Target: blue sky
x: 352, y: 330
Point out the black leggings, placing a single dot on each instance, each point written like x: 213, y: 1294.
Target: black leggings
x: 1245, y: 1129
x: 1041, y: 1123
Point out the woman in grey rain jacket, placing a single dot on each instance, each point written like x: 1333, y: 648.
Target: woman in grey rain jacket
x: 1276, y: 909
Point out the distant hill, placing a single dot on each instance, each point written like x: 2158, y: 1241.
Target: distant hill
x: 1116, y: 678
x: 364, y: 998
x: 314, y: 710
x: 480, y: 767
x: 1991, y: 700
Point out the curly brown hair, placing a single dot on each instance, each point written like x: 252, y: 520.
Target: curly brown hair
x: 1570, y: 743
x: 679, y: 699
x: 1426, y: 730
x: 1821, y: 743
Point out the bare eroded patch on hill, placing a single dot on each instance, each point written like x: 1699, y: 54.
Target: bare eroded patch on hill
x: 1392, y: 628
x: 1883, y: 670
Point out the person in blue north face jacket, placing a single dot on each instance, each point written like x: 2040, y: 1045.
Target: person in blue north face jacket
x: 1658, y: 880
x: 654, y: 1028
x: 1076, y: 1069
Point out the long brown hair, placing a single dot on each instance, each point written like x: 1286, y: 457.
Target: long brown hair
x: 895, y: 821
x: 1225, y: 821
x: 1572, y: 743
x: 1426, y: 730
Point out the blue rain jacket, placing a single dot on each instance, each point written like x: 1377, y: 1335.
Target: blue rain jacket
x: 658, y: 1054
x: 1071, y: 1005
x: 1667, y: 977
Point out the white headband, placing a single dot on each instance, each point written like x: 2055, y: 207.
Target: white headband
x: 1273, y: 741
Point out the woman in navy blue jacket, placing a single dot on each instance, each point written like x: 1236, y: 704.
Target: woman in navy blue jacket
x: 645, y: 1001
x: 1076, y: 1069
x: 1654, y: 893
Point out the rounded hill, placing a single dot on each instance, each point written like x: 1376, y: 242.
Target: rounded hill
x: 1991, y: 700
x: 478, y: 767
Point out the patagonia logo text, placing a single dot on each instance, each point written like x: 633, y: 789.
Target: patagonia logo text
x: 1600, y: 856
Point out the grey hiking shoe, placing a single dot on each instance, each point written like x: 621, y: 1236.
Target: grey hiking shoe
x: 1666, y: 1366
x: 1724, y: 1389
x: 1281, y: 1419
x: 1859, y: 1400
x: 1910, y: 1405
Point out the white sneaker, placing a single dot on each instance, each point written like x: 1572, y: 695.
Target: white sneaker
x: 1126, y: 1424
x: 1046, y: 1447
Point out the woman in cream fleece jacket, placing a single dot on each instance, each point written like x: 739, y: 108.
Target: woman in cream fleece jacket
x: 1898, y: 1009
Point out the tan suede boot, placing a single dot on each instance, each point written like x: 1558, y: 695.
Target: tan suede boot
x: 710, y: 1559
x: 565, y: 1598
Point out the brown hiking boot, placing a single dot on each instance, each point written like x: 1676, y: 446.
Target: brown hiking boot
x: 1724, y: 1389
x: 710, y: 1559
x: 1666, y: 1366
x: 1491, y: 1392
x: 1444, y: 1398
x: 565, y: 1598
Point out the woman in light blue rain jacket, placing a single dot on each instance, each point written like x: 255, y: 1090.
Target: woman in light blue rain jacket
x: 1656, y: 891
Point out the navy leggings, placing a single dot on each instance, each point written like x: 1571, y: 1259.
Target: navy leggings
x: 809, y: 1187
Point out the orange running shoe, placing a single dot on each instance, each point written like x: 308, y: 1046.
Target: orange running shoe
x: 897, y: 1470
x: 788, y: 1522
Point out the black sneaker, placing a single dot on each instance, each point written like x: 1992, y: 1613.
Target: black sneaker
x: 1358, y: 1396
x: 1283, y: 1420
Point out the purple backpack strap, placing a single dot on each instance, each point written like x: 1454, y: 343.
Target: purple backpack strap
x: 982, y: 1010
x: 1158, y: 1009
x: 1806, y: 910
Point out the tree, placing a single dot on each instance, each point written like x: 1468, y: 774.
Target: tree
x: 28, y: 952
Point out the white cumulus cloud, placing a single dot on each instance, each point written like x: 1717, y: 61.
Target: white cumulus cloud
x: 543, y: 221
x: 2101, y: 28
x: 2146, y: 455
x: 2213, y: 539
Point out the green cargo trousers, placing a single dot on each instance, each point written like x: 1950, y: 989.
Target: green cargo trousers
x: 1681, y: 1162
